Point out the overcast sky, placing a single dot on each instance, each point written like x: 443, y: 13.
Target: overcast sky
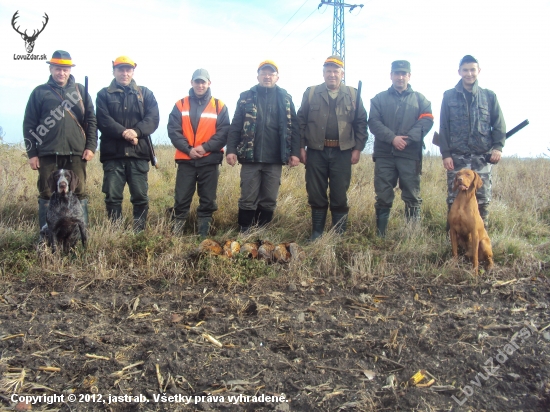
x: 170, y: 39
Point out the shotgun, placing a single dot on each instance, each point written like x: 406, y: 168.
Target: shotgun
x: 85, y: 114
x: 358, y: 98
x: 509, y: 134
x: 152, y: 155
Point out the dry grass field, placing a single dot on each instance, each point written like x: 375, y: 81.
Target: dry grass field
x: 313, y: 329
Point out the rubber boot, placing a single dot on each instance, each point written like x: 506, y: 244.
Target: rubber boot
x: 484, y: 212
x: 246, y: 219
x: 114, y: 213
x: 43, y: 205
x: 263, y: 217
x: 140, y: 217
x: 178, y: 226
x: 412, y: 214
x: 84, y: 204
x: 318, y: 220
x: 203, y: 224
x: 382, y: 218
x: 339, y: 221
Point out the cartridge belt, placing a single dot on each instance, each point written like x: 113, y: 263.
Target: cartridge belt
x: 332, y: 143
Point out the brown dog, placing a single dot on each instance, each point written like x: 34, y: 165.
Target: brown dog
x: 466, y: 225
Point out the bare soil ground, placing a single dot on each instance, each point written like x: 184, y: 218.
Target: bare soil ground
x: 318, y: 346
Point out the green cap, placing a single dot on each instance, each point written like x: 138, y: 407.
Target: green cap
x: 401, y: 66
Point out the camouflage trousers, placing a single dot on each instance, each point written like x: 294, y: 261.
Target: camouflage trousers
x: 478, y: 164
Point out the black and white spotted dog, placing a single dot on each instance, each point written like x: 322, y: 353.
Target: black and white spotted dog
x: 65, y: 218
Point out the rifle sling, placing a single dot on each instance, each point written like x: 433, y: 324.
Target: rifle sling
x: 70, y: 111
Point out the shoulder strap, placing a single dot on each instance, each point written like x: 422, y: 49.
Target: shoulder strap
x: 81, y: 101
x: 353, y: 96
x: 311, y: 91
x: 69, y: 110
x: 217, y: 109
x: 141, y: 103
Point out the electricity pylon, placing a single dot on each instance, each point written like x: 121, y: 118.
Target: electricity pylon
x: 338, y: 37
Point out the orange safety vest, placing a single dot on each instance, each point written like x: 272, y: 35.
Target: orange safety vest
x: 206, y: 128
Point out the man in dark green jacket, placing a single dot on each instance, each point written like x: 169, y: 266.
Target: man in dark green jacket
x: 399, y: 120
x: 333, y: 127
x: 127, y: 114
x: 472, y: 132
x: 59, y: 133
x: 263, y: 136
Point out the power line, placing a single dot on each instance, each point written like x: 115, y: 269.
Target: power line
x: 284, y: 25
x: 297, y: 27
x: 321, y: 32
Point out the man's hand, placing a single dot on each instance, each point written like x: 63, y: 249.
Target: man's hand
x: 448, y: 163
x: 303, y: 155
x: 200, y: 150
x: 231, y: 159
x: 87, y: 155
x: 355, y: 156
x: 294, y: 161
x: 131, y: 136
x: 495, y: 156
x: 194, y: 154
x: 34, y: 163
x: 400, y: 142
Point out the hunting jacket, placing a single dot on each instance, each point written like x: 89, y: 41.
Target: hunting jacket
x: 313, y: 117
x: 400, y: 114
x: 215, y: 143
x: 476, y: 129
x: 251, y: 133
x: 118, y: 109
x: 48, y: 128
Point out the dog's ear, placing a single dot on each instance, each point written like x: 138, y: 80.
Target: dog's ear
x: 74, y: 180
x: 52, y: 181
x: 455, y: 183
x: 477, y: 181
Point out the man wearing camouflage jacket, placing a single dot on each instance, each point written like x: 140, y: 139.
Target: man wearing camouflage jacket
x: 472, y: 132
x: 264, y: 135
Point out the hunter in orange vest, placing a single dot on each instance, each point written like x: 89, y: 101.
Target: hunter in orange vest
x: 198, y: 127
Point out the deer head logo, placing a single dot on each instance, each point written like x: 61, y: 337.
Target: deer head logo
x: 29, y: 40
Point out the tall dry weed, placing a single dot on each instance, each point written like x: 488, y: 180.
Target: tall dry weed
x: 519, y: 226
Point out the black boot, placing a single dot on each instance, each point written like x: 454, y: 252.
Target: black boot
x: 43, y: 205
x: 203, y: 224
x: 263, y: 217
x: 339, y: 221
x: 114, y: 213
x: 382, y: 218
x: 412, y: 214
x: 318, y: 220
x: 178, y: 226
x: 140, y: 217
x: 484, y: 212
x: 84, y: 204
x: 246, y: 219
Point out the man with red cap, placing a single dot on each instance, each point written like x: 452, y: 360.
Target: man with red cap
x: 59, y: 132
x: 127, y: 115
x: 264, y: 135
